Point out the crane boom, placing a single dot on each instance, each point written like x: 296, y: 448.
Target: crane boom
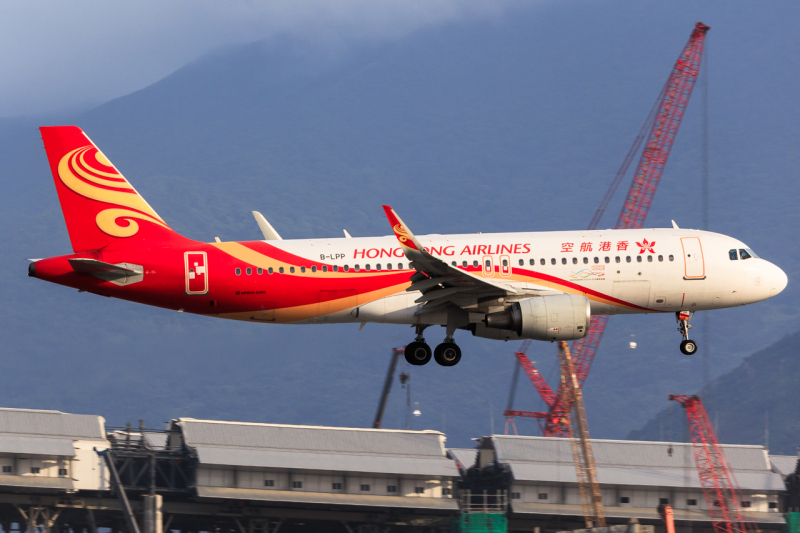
x: 663, y: 123
x: 720, y: 489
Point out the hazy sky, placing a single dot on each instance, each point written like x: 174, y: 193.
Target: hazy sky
x: 57, y: 55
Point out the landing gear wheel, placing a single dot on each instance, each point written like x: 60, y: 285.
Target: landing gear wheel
x: 418, y: 353
x: 447, y: 354
x: 688, y: 347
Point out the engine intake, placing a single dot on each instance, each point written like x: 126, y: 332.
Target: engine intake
x: 559, y: 317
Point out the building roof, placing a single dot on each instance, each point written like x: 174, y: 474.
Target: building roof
x: 465, y: 456
x: 783, y: 464
x: 639, y: 463
x: 317, y: 447
x: 51, y: 433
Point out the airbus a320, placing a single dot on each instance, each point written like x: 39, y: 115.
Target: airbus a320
x: 506, y: 286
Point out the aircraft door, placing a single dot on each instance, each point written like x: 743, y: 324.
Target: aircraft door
x: 505, y: 265
x: 695, y: 267
x: 196, y: 266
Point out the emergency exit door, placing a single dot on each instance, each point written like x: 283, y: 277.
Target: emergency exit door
x: 196, y: 272
x: 693, y: 258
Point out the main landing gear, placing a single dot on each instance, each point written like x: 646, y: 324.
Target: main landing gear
x: 688, y: 347
x: 419, y: 353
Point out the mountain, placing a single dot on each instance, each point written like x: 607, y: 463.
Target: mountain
x: 755, y: 403
x: 513, y: 123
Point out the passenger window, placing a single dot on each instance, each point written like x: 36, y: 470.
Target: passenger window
x: 238, y: 271
x: 367, y: 267
x: 585, y: 260
x: 313, y: 269
x: 521, y: 262
x: 672, y: 258
x: 617, y: 259
x: 649, y: 258
x: 563, y: 260
x: 464, y: 264
x: 542, y: 261
x: 488, y: 264
x: 638, y: 258
x: 732, y: 255
x: 553, y: 261
x: 388, y: 266
x: 608, y: 259
x: 303, y: 269
x: 475, y: 263
x: 324, y: 268
x: 249, y: 271
x: 346, y: 268
x: 399, y: 266
x: 260, y: 271
x: 596, y: 260
x: 269, y: 270
x: 744, y: 254
x: 660, y: 258
x: 574, y: 260
x: 505, y: 262
x: 291, y: 270
x: 358, y: 268
x: 454, y: 263
x: 336, y: 268
x: 280, y: 270
x: 533, y: 262
x: 378, y: 266
x: 627, y: 259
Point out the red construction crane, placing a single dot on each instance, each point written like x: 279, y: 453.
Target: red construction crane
x: 716, y: 477
x: 663, y: 123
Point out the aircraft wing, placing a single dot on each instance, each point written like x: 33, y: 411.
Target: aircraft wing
x: 439, y: 282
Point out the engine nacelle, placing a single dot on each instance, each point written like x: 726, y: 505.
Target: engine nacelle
x: 558, y: 317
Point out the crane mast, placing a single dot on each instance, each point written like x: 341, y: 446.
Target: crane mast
x: 578, y: 428
x: 662, y: 125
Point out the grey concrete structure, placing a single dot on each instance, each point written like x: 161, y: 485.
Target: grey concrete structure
x: 635, y: 478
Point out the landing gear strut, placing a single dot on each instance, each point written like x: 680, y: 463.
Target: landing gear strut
x: 418, y: 352
x: 688, y: 347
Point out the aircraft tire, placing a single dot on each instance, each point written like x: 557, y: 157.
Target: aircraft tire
x: 688, y: 347
x: 447, y: 354
x: 418, y: 353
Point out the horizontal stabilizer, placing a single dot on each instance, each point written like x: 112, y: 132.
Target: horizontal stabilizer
x: 121, y: 274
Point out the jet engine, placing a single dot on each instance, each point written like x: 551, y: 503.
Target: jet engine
x: 558, y: 317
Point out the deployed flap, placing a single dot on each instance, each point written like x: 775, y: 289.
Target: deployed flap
x: 433, y: 274
x: 121, y: 274
x: 266, y: 228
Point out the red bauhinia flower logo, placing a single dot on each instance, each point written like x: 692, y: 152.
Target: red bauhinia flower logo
x: 646, y: 246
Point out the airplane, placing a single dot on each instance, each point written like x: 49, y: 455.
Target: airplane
x: 505, y: 286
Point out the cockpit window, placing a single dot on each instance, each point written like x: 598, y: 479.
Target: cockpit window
x: 744, y: 254
x: 752, y: 253
x: 732, y: 255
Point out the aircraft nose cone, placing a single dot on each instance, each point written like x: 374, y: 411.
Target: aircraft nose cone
x: 778, y: 280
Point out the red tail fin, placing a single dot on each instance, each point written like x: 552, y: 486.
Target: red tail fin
x: 100, y: 207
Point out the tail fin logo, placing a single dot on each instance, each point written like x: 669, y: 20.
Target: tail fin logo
x: 87, y: 172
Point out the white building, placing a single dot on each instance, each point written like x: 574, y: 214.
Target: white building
x: 635, y: 478
x: 51, y: 451
x: 319, y: 465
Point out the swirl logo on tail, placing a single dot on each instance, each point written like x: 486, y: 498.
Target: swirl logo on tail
x: 87, y: 172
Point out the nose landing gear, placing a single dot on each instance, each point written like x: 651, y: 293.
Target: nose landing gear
x: 688, y: 347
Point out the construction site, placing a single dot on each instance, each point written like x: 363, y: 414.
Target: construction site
x: 63, y: 472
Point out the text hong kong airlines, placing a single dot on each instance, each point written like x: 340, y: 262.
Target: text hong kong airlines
x: 446, y: 250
